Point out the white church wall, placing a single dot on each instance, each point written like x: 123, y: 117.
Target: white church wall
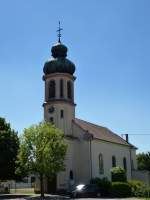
x: 82, y: 162
x: 81, y: 156
x: 77, y: 160
x: 61, y: 123
x: 60, y: 103
x: 108, y: 150
x: 63, y: 177
x: 133, y: 158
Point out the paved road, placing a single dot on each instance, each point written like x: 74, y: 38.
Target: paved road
x: 57, y: 198
x: 83, y: 199
x: 52, y: 197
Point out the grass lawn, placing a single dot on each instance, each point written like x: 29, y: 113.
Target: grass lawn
x: 22, y: 191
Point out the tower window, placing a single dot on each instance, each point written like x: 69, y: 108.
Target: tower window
x: 113, y: 161
x: 101, y: 164
x: 69, y: 89
x: 51, y: 119
x: 52, y: 91
x: 125, y: 163
x: 61, y: 88
x: 61, y: 114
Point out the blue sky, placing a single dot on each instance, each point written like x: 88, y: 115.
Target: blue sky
x: 109, y: 41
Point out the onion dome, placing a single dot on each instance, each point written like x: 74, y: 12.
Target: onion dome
x: 59, y: 63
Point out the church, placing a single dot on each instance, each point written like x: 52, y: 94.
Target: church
x: 92, y: 149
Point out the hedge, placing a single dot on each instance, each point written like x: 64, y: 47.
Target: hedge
x: 120, y: 189
x: 118, y: 174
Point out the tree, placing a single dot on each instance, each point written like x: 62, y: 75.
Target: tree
x: 9, y: 145
x: 42, y: 151
x: 143, y: 161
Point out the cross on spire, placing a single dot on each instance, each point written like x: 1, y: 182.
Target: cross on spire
x: 59, y: 32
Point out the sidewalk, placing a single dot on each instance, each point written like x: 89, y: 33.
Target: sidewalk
x: 32, y: 197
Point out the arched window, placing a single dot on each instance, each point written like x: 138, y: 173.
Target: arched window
x: 113, y: 161
x: 61, y: 88
x: 71, y: 174
x: 101, y: 164
x: 61, y: 113
x: 124, y: 163
x: 52, y: 89
x: 69, y: 89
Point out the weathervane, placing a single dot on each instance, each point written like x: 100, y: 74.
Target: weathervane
x: 59, y: 32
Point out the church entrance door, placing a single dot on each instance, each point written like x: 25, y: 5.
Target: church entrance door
x: 52, y: 185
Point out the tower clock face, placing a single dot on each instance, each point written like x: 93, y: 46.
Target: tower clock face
x: 51, y: 109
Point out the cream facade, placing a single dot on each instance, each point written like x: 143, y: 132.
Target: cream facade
x: 92, y: 150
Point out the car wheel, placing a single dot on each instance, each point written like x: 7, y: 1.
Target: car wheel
x: 98, y: 194
x: 74, y: 195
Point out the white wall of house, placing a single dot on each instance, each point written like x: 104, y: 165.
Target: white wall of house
x: 77, y: 160
x: 81, y: 156
x: 133, y: 158
x: 108, y: 150
x: 63, y: 177
x: 83, y: 160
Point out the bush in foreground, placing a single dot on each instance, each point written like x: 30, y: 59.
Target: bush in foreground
x: 139, y: 188
x: 120, y: 189
x: 118, y: 174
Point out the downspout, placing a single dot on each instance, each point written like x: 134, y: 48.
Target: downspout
x: 89, y: 138
x: 91, y: 157
x: 130, y: 161
x: 127, y: 140
x: 91, y: 167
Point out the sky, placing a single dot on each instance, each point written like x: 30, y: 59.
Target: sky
x: 109, y: 42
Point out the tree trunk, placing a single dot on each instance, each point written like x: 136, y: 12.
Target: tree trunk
x: 42, y: 186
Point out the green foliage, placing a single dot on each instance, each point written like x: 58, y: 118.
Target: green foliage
x: 120, y: 189
x: 104, y: 184
x: 143, y: 161
x: 139, y: 188
x: 9, y: 144
x: 118, y: 174
x: 42, y: 151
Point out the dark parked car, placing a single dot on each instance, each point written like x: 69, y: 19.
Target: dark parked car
x: 90, y: 190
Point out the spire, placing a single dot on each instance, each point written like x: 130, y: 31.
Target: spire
x: 59, y: 32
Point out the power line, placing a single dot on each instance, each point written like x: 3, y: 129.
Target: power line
x: 140, y: 134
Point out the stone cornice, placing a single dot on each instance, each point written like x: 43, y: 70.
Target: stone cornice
x: 59, y: 101
x: 58, y: 75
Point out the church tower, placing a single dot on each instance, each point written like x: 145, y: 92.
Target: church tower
x: 59, y: 106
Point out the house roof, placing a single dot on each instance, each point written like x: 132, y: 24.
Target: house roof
x: 101, y: 133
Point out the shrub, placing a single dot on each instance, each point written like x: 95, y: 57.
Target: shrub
x: 139, y: 188
x: 3, y: 189
x: 118, y: 174
x: 104, y: 184
x: 120, y: 189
